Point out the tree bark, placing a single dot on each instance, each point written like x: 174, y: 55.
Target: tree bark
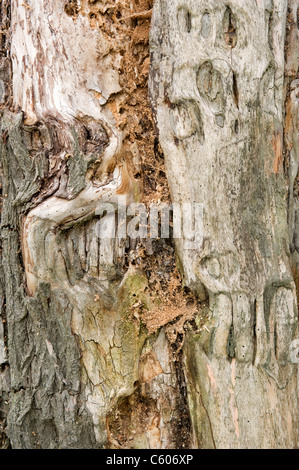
x: 143, y: 343
x: 217, y: 86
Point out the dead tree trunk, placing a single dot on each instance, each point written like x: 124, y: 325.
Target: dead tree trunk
x: 81, y: 364
x: 217, y: 86
x: 141, y: 343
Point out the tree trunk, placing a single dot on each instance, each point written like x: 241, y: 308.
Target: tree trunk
x: 145, y: 343
x: 218, y: 92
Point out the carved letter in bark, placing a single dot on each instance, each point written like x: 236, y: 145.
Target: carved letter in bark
x: 217, y: 79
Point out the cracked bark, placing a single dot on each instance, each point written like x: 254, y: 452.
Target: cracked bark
x: 79, y: 364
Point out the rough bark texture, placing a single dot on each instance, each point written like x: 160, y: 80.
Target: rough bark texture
x: 83, y: 365
x: 291, y: 129
x: 144, y: 344
x: 217, y: 86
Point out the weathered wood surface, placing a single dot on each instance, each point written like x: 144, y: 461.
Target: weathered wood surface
x: 291, y: 131
x: 78, y: 367
x: 217, y: 88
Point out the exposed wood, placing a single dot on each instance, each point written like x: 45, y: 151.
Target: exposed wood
x: 136, y: 16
